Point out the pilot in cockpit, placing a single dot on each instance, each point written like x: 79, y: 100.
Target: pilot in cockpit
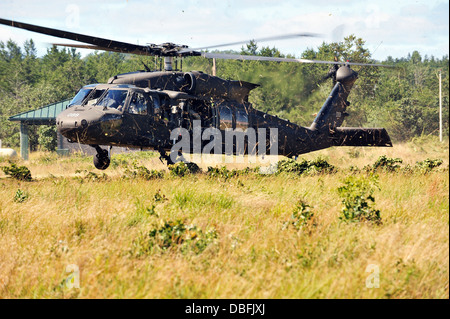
x: 138, y: 104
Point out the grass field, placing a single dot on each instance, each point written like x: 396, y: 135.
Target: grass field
x: 216, y: 237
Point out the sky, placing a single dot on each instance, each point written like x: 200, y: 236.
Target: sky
x: 390, y: 28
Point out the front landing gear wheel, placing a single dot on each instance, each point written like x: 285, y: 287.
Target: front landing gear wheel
x: 101, y: 162
x: 101, y: 159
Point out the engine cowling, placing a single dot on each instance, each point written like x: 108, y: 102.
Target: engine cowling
x: 200, y: 83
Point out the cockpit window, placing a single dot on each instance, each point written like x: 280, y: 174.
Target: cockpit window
x: 114, y: 99
x: 81, y: 95
x: 93, y: 98
x: 138, y: 104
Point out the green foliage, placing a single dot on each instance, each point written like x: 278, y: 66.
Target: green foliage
x: 21, y: 196
x: 175, y: 235
x: 224, y: 173
x: 428, y: 164
x: 158, y: 197
x: 302, y: 217
x: 139, y: 171
x: 316, y: 166
x: 357, y: 197
x: 47, y: 137
x: 21, y: 173
x: 90, y: 176
x: 181, y: 169
x: 386, y: 164
x: 390, y: 165
x: 119, y: 160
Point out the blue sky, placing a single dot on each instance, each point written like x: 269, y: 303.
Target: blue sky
x: 393, y: 28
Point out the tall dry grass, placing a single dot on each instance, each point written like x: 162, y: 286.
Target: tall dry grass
x: 102, y: 227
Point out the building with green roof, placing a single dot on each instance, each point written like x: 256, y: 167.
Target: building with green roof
x: 45, y: 115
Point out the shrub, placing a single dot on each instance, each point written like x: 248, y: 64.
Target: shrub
x: 357, y: 197
x: 176, y: 235
x: 20, y: 196
x: 317, y: 166
x: 136, y: 171
x: 119, y: 160
x: 301, y: 217
x: 21, y: 173
x: 224, y: 173
x: 181, y: 169
x: 47, y: 137
x: 386, y: 164
x: 428, y: 164
x: 158, y: 197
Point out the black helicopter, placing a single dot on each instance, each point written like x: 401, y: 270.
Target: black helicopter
x: 156, y: 109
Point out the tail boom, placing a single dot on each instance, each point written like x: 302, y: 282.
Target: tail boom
x: 354, y: 136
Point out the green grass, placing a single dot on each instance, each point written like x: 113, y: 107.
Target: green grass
x: 245, y: 236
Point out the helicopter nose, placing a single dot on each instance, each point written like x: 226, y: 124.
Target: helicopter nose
x: 64, y: 124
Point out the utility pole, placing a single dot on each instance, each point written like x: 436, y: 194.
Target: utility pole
x: 440, y: 105
x: 214, y: 67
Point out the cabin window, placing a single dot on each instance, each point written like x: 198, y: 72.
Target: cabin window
x: 226, y: 117
x: 138, y: 104
x: 241, y: 118
x: 156, y: 104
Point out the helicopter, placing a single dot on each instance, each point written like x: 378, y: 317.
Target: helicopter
x: 159, y: 110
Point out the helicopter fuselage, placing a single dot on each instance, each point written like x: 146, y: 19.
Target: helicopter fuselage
x: 150, y: 110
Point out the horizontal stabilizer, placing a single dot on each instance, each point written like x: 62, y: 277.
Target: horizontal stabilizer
x: 353, y: 136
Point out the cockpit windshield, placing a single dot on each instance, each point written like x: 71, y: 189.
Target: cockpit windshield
x: 81, y: 95
x: 93, y: 98
x: 114, y: 99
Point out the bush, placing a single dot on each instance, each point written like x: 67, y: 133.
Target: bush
x: 158, y: 197
x: 224, y: 173
x: 181, y: 169
x: 384, y: 163
x: 47, y: 137
x: 357, y: 197
x: 136, y: 171
x: 428, y: 164
x: 317, y: 166
x: 20, y: 196
x: 176, y: 235
x: 301, y: 217
x: 21, y: 173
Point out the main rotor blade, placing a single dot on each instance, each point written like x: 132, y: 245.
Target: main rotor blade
x: 90, y: 47
x: 105, y: 44
x: 274, y: 59
x: 273, y: 38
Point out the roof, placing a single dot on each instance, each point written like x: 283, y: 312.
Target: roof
x: 45, y: 115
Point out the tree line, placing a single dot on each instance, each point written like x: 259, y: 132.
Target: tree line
x: 403, y: 99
